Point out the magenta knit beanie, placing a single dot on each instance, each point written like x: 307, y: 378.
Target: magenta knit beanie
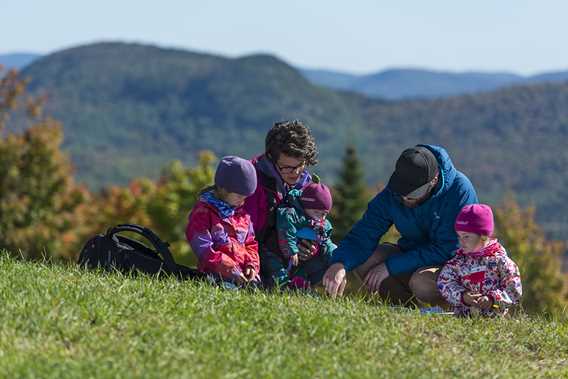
x: 316, y: 196
x: 475, y: 218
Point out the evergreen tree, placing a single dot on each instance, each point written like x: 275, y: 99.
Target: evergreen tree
x: 349, y: 195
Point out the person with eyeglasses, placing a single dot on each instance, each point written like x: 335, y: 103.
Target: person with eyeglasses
x: 289, y: 149
x: 422, y: 200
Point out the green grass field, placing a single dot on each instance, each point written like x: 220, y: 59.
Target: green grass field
x: 63, y: 322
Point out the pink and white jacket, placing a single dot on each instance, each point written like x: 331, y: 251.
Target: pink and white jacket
x: 489, y: 272
x: 224, y: 246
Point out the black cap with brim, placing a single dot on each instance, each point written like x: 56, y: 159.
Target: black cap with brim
x: 414, y: 168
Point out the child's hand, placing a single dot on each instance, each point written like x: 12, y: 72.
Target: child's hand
x: 241, y: 279
x: 477, y: 300
x: 307, y: 249
x: 249, y: 274
x: 294, y: 260
x: 484, y: 302
x: 470, y: 298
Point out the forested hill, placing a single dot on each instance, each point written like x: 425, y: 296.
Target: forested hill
x: 128, y: 109
x: 506, y: 141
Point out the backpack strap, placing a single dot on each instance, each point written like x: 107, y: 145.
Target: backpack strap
x: 161, y: 247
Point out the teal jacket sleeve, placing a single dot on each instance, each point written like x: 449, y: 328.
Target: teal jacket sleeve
x: 328, y: 245
x: 286, y: 219
x: 360, y: 243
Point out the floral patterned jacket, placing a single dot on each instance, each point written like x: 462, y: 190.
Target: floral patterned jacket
x: 489, y: 272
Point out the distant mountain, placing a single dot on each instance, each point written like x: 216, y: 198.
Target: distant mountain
x: 398, y: 84
x: 17, y: 60
x: 416, y: 83
x: 552, y: 77
x: 128, y: 109
x: 330, y: 79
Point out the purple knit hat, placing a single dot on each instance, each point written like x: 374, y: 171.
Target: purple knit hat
x: 236, y: 175
x: 316, y: 196
x: 475, y: 218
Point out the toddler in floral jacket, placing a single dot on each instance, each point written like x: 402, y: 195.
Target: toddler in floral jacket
x: 481, y: 278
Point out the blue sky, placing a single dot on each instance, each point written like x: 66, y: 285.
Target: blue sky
x: 357, y: 36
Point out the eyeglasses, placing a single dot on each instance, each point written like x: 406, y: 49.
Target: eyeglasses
x: 290, y: 169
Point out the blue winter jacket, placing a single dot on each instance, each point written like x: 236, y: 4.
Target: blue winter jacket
x: 427, y: 232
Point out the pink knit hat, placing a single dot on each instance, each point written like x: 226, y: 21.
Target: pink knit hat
x: 316, y: 196
x: 475, y: 218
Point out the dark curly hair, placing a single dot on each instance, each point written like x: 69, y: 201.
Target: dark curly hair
x: 292, y: 138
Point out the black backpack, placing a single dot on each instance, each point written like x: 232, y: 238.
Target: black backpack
x: 112, y: 251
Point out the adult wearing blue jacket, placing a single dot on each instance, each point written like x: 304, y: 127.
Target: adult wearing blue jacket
x: 422, y: 199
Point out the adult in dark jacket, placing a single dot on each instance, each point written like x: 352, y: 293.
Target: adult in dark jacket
x: 422, y: 199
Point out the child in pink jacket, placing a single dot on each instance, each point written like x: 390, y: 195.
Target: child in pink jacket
x: 481, y: 278
x: 220, y: 231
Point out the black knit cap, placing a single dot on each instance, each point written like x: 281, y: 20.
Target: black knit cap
x: 415, y: 167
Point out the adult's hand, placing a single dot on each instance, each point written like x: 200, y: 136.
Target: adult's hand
x: 307, y: 249
x: 375, y: 277
x: 334, y: 280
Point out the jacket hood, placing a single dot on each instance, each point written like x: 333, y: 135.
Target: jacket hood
x: 494, y: 248
x: 447, y: 170
x: 267, y: 168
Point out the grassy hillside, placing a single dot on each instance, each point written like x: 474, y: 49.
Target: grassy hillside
x: 62, y: 322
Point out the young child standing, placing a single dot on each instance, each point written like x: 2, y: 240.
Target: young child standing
x: 219, y: 231
x: 303, y: 216
x: 481, y: 278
